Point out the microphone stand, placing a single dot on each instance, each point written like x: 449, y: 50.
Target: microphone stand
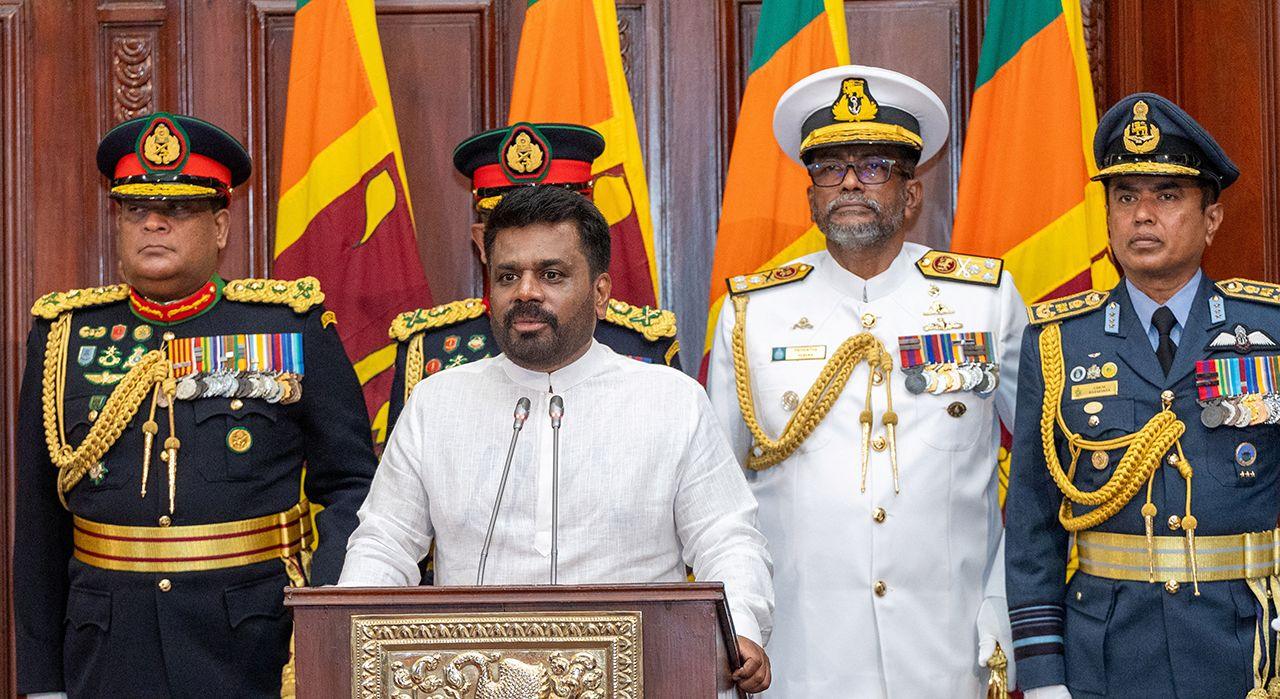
x: 557, y: 413
x: 521, y: 414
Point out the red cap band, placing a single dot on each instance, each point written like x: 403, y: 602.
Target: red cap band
x: 196, y: 166
x: 558, y: 172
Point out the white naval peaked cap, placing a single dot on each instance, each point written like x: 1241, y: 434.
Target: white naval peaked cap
x: 859, y: 104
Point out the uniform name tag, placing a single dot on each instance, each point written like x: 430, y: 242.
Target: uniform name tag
x: 799, y: 353
x: 1097, y: 389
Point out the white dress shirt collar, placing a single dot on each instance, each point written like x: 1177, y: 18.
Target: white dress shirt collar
x: 593, y: 362
x: 845, y: 282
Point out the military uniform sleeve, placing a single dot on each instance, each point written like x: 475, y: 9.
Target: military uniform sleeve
x: 339, y: 446
x: 1036, y: 553
x: 396, y: 404
x: 722, y: 388
x: 1013, y: 325
x: 42, y: 540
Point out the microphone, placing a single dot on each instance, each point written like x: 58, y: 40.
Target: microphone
x: 521, y: 414
x: 556, y: 411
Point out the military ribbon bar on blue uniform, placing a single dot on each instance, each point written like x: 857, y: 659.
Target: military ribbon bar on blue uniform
x: 948, y: 362
x: 269, y: 366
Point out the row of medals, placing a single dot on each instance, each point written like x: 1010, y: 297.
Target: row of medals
x: 283, y: 388
x: 1241, y: 411
x: 980, y: 377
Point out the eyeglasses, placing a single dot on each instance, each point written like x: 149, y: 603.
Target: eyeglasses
x: 830, y: 173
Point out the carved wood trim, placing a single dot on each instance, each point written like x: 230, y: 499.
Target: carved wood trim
x: 131, y: 86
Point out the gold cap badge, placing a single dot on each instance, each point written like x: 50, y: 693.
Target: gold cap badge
x: 162, y: 145
x: 525, y: 154
x: 854, y: 103
x: 1141, y: 135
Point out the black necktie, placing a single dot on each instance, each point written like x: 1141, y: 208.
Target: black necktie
x: 1163, y: 321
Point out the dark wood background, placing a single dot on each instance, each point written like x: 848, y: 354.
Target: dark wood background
x: 70, y: 69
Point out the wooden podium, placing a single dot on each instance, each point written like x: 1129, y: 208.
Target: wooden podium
x: 662, y: 641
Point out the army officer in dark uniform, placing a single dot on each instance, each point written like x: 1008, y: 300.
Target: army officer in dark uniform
x: 163, y: 427
x: 497, y: 162
x: 1145, y: 431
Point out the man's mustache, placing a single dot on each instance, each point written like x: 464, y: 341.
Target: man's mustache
x: 529, y: 311
x: 853, y: 198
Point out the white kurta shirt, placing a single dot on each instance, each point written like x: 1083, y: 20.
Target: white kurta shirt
x: 648, y: 484
x: 935, y: 548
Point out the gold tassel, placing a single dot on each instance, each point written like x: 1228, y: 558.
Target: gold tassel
x: 149, y: 431
x: 998, y: 685
x: 865, y: 419
x: 171, y: 451
x: 890, y: 420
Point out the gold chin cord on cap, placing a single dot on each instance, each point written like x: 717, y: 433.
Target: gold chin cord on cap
x: 819, y: 399
x: 123, y: 403
x: 1144, y: 450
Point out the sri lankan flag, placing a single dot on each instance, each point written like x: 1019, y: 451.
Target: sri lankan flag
x: 569, y: 69
x: 765, y: 216
x: 1025, y: 193
x: 344, y: 214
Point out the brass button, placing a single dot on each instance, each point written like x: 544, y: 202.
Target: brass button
x: 868, y: 320
x: 877, y: 378
x: 878, y: 515
x: 1175, y: 522
x: 164, y: 585
x: 957, y: 409
x: 165, y: 521
x: 1079, y: 596
x: 93, y: 415
x: 878, y: 443
x: 1172, y: 459
x: 880, y: 588
x: 1171, y: 587
x: 1094, y: 421
x: 790, y: 401
x: 1166, y: 396
x: 1100, y: 460
x: 168, y: 336
x: 236, y: 404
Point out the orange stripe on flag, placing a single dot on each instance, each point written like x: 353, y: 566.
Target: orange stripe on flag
x: 327, y: 81
x: 562, y: 80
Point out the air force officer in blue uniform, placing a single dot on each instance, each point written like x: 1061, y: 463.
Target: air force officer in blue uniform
x: 1145, y: 434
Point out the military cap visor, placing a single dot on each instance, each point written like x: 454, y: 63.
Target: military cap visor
x: 171, y: 156
x: 523, y: 154
x: 855, y: 104
x: 1146, y: 134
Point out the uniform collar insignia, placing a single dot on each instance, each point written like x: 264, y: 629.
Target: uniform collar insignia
x: 176, y: 311
x: 1242, y: 340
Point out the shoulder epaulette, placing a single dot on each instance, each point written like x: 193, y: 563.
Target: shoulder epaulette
x: 785, y: 274
x: 1066, y: 307
x: 411, y: 322
x: 54, y: 304
x: 652, y: 323
x: 969, y: 269
x: 299, y: 294
x: 1250, y: 290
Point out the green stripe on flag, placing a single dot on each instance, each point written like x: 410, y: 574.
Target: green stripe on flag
x: 301, y: 4
x: 1010, y: 23
x: 780, y: 21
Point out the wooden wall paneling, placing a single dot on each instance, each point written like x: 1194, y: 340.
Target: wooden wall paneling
x: 440, y: 64
x: 16, y: 274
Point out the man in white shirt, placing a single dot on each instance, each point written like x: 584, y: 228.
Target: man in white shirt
x: 647, y: 484
x: 861, y: 386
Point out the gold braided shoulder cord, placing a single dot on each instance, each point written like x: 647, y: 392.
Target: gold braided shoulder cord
x: 1138, y: 465
x: 73, y: 463
x: 413, y: 365
x: 818, y: 400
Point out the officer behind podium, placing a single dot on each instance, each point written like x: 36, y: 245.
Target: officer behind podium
x: 451, y: 334
x: 1145, y: 435
x: 163, y: 427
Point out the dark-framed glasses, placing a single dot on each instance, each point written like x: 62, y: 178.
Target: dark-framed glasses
x: 831, y: 172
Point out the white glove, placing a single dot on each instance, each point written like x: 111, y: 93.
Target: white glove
x: 48, y: 695
x: 993, y: 627
x: 1053, y: 691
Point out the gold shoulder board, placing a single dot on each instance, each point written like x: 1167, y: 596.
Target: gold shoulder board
x: 1250, y: 290
x: 1066, y: 307
x: 652, y: 323
x: 410, y: 322
x: 54, y: 304
x: 785, y: 274
x: 299, y: 294
x: 969, y: 269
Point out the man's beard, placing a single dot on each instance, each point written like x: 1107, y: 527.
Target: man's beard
x: 552, y: 345
x: 860, y: 236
